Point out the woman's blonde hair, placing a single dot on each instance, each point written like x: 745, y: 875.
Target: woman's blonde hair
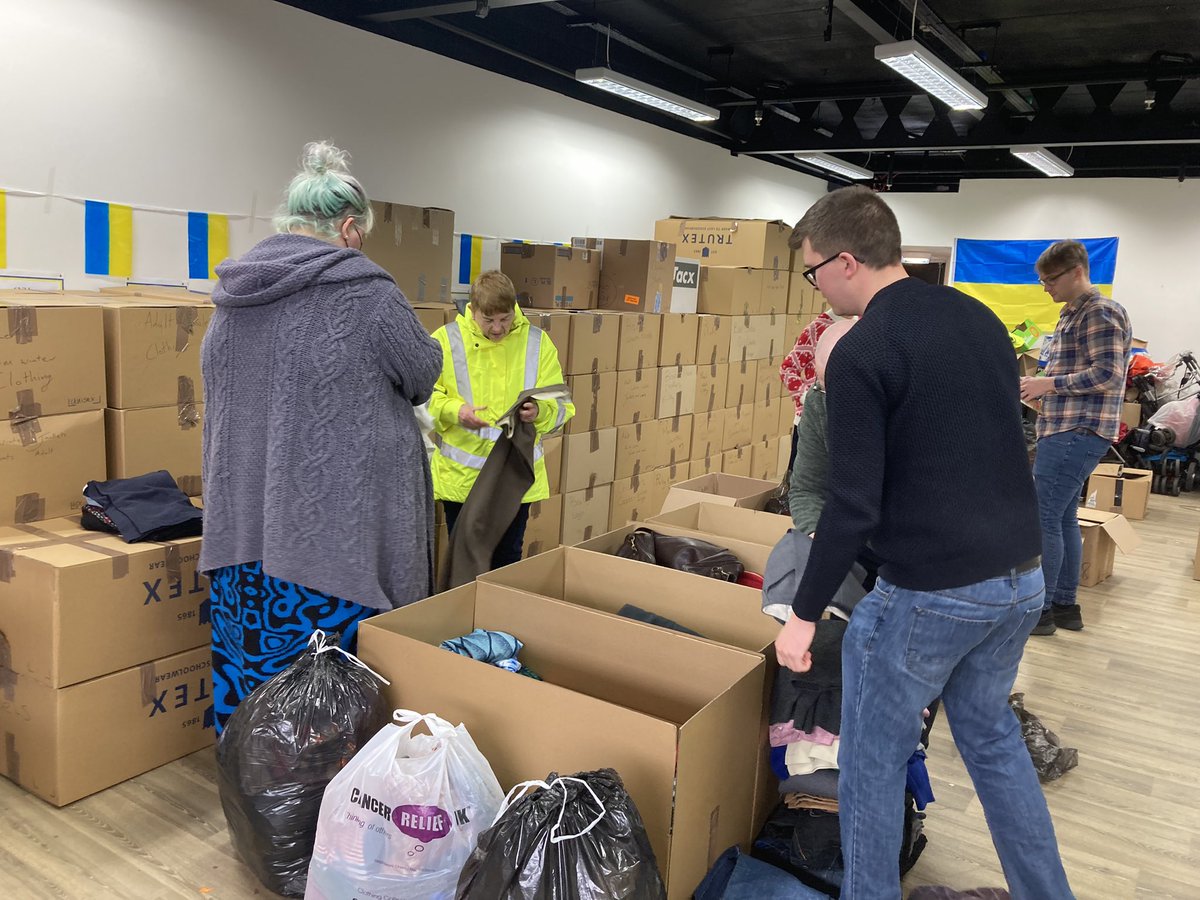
x: 493, y: 294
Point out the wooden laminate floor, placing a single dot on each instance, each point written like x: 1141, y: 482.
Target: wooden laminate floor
x: 1125, y: 692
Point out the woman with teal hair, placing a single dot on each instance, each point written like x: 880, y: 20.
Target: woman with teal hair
x: 318, y: 500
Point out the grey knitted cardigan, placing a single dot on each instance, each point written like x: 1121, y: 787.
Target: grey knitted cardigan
x: 313, y: 462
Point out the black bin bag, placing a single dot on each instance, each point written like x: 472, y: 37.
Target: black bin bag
x: 281, y: 748
x: 1050, y: 758
x: 578, y: 838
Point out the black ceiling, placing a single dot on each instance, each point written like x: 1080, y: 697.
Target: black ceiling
x: 1112, y: 86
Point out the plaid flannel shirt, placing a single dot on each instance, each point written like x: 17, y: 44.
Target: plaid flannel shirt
x: 1087, y: 359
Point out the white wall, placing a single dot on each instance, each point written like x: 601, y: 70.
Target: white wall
x: 204, y: 105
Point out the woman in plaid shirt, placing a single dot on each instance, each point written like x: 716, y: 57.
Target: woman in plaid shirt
x: 1079, y: 418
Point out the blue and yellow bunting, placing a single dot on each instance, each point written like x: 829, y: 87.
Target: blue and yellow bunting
x: 470, y: 257
x: 1001, y: 275
x: 208, y: 243
x: 108, y: 239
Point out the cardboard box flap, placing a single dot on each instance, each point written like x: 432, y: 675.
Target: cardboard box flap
x: 1115, y: 525
x: 729, y: 521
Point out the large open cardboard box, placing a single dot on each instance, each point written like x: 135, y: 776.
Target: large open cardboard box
x: 726, y: 490
x: 749, y: 525
x: 678, y: 717
x: 1103, y: 534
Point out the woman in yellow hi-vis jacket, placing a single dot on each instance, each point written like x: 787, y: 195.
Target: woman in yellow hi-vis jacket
x: 491, y: 353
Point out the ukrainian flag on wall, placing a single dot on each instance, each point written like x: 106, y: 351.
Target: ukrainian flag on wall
x: 208, y: 243
x: 473, y: 255
x: 108, y: 239
x: 1001, y: 275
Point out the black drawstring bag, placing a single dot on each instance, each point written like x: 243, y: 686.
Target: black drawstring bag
x: 578, y: 838
x: 281, y: 748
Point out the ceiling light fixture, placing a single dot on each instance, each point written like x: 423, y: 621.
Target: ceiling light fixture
x: 632, y: 89
x: 930, y: 74
x: 835, y: 165
x: 915, y: 260
x: 1042, y: 159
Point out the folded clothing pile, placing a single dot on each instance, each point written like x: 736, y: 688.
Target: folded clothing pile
x: 150, y: 507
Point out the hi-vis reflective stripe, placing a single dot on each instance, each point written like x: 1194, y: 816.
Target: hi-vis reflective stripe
x: 462, y: 457
x: 562, y: 415
x: 458, y: 353
x: 533, y: 355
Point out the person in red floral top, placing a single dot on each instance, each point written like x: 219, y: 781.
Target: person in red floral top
x: 798, y: 370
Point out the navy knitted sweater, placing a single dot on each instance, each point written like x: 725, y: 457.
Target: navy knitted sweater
x: 927, y: 459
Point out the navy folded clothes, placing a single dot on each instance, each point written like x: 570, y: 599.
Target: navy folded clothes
x: 148, y: 507
x: 630, y: 611
x: 822, y: 783
x: 736, y: 876
x: 813, y: 699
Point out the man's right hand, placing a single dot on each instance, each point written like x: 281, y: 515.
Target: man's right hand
x: 468, y: 419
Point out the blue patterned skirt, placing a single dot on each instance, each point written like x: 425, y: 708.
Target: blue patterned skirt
x: 261, y: 624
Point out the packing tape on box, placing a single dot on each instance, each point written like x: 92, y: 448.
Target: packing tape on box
x: 22, y: 323
x: 26, y: 429
x: 29, y: 508
x: 594, y: 442
x: 641, y: 358
x: 149, y: 694
x: 590, y: 491
x: 120, y: 559
x: 185, y: 323
x: 587, y: 532
x: 27, y: 406
x: 12, y: 759
x: 185, y: 402
x: 635, y: 481
x: 8, y: 678
x: 597, y: 323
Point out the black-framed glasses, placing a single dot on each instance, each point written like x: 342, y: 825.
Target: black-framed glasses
x: 1046, y: 282
x: 811, y: 274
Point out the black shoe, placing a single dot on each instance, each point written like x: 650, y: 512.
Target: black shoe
x: 1068, y: 617
x: 1045, y: 624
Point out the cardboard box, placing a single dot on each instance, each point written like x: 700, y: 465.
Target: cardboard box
x: 727, y: 522
x: 639, y: 448
x: 723, y: 489
x: 803, y: 298
x: 756, y: 337
x: 595, y: 399
x: 785, y: 457
x: 164, y: 437
x: 631, y: 499
x: 730, y: 291
x: 593, y: 344
x: 708, y: 433
x: 152, y: 352
x: 739, y: 427
x: 48, y: 359
x: 1027, y: 363
x: 1103, y: 534
x: 729, y: 242
x: 544, y: 530
x: 676, y: 440
x: 637, y: 396
x: 677, y: 345
x: 66, y: 743
x: 764, y: 460
x: 678, y: 717
x: 704, y: 466
x: 547, y: 276
x: 434, y: 315
x: 588, y: 459
x: 738, y: 461
x: 712, y: 339
x: 639, y: 342
x: 663, y: 479
x: 78, y: 604
x: 1114, y: 488
x: 585, y: 513
x: 768, y: 378
x: 45, y: 462
x: 676, y: 391
x: 742, y: 384
x: 1131, y: 414
x: 637, y: 276
x: 416, y: 246
x: 775, y: 284
x: 766, y: 415
x: 792, y: 326
x: 557, y: 327
x: 712, y: 385
x: 552, y: 448
x: 787, y: 412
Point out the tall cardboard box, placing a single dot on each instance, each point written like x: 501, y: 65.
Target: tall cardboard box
x: 738, y: 461
x: 589, y: 459
x: 631, y: 499
x: 77, y: 604
x: 677, y: 346
x: 742, y: 384
x: 152, y: 352
x: 585, y: 513
x: 48, y: 359
x: 556, y: 326
x: 775, y: 284
x: 544, y: 529
x: 637, y: 396
x: 547, y: 276
x: 1114, y: 488
x: 678, y: 718
x: 712, y: 339
x: 637, y: 276
x: 593, y: 344
x: 1103, y: 534
x: 162, y: 437
x: 45, y: 462
x: 730, y: 291
x: 595, y: 399
x: 416, y: 246
x: 676, y: 440
x: 729, y: 242
x: 639, y: 341
x: 639, y: 448
x: 724, y: 489
x: 552, y: 447
x: 712, y: 385
x: 676, y: 391
x: 739, y: 427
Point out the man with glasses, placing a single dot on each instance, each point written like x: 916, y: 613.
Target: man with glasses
x: 927, y: 461
x: 1079, y: 418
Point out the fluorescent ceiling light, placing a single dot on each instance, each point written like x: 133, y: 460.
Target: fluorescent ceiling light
x: 1043, y: 159
x: 915, y: 260
x: 930, y: 74
x: 833, y: 164
x: 640, y: 92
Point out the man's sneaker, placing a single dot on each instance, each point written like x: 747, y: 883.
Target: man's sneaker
x: 1068, y: 617
x: 1045, y: 624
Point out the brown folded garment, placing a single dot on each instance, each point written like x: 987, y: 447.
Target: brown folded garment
x: 807, y: 801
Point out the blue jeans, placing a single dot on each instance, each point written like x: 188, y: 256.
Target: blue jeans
x: 902, y: 649
x: 1064, y: 462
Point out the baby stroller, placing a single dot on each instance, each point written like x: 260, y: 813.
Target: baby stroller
x: 1168, y: 444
